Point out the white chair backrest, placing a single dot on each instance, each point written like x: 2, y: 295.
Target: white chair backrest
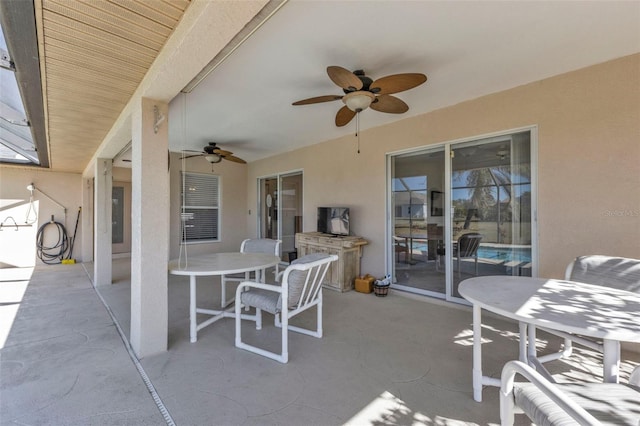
x: 616, y: 272
x: 261, y: 245
x: 304, y: 278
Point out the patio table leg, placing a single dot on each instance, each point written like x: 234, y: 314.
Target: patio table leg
x: 193, y: 327
x: 478, y: 379
x: 611, y: 349
x: 531, y: 357
x: 477, y: 353
x: 525, y: 350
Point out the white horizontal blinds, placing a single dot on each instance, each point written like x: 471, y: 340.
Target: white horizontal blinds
x: 200, y: 214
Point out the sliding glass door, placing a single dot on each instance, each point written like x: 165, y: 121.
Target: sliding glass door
x: 460, y: 210
x: 417, y: 199
x: 280, y: 210
x: 491, y: 194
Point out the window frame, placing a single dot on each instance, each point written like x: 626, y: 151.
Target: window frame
x: 215, y: 184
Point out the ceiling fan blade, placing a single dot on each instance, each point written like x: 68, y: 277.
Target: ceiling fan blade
x: 221, y: 152
x: 344, y: 78
x: 318, y: 99
x: 234, y: 159
x: 190, y: 150
x: 390, y: 104
x: 189, y: 156
x: 396, y: 83
x: 344, y: 116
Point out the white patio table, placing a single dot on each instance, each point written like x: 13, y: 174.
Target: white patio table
x: 217, y: 264
x: 588, y: 310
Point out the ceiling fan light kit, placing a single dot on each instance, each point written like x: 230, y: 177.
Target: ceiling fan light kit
x: 213, y: 158
x: 359, y: 100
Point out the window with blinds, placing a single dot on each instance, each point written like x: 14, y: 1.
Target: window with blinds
x: 201, y: 207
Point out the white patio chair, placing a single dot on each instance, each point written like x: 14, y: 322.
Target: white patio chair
x: 258, y: 245
x: 615, y: 272
x: 547, y: 403
x: 301, y: 289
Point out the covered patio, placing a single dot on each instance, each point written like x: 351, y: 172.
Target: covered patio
x: 389, y: 360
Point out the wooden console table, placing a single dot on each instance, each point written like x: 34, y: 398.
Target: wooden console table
x: 341, y: 274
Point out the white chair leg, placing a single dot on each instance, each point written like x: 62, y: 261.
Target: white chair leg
x: 276, y: 321
x: 285, y: 335
x: 238, y: 319
x: 258, y: 319
x: 319, y: 320
x: 223, y: 292
x: 507, y: 409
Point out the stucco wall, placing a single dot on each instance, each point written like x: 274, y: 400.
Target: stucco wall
x: 588, y: 162
x: 18, y: 248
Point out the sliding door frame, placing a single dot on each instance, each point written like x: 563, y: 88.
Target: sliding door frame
x: 261, y: 196
x: 449, y: 146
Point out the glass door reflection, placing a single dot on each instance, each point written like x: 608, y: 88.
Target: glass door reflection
x: 418, y: 207
x: 491, y: 232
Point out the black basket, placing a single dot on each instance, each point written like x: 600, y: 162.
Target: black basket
x: 380, y: 290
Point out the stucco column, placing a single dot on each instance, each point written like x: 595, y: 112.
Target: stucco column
x: 149, y: 227
x: 86, y: 220
x: 102, y: 220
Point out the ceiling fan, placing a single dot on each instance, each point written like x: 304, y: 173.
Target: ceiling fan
x: 213, y: 154
x: 362, y: 92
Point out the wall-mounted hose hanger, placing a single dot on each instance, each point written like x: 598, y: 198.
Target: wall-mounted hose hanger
x: 53, y: 250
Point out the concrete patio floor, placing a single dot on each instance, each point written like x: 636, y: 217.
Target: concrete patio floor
x: 395, y: 360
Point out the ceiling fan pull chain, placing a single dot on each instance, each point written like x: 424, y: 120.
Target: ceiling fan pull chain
x: 358, y: 130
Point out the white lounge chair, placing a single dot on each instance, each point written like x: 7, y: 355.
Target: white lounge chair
x: 301, y: 289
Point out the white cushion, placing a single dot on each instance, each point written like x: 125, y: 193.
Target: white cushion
x: 615, y: 272
x: 271, y: 301
x: 610, y: 403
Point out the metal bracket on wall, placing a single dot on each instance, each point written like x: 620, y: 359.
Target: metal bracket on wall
x: 15, y: 225
x: 159, y: 117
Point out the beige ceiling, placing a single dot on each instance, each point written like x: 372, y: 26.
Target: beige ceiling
x: 93, y: 55
x: 468, y: 49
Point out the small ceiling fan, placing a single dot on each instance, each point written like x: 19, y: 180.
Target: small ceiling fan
x: 213, y: 154
x: 362, y: 92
